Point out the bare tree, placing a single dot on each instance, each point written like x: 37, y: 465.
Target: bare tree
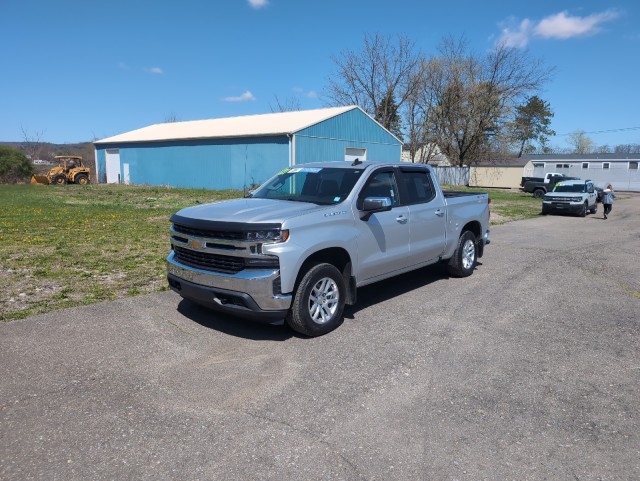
x: 580, y: 142
x: 171, y: 118
x: 418, y: 115
x: 379, y: 78
x: 288, y: 105
x: 32, y: 144
x: 474, y: 95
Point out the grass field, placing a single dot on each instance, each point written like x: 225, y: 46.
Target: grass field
x: 64, y: 246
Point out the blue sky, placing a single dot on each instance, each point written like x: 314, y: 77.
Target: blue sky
x: 77, y: 70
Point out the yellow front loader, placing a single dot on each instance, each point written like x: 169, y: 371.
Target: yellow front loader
x: 70, y: 170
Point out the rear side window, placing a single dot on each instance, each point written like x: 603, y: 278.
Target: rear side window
x: 418, y: 186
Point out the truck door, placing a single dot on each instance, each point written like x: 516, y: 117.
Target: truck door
x: 427, y: 214
x: 383, y: 241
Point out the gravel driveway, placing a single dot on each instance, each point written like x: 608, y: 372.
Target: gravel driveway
x: 527, y: 370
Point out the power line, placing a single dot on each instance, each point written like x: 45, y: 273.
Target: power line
x: 624, y: 129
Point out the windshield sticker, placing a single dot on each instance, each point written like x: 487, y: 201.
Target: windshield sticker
x: 284, y: 171
x: 311, y: 170
x: 336, y: 199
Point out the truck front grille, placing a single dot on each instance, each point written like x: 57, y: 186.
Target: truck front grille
x: 218, y: 234
x: 209, y: 262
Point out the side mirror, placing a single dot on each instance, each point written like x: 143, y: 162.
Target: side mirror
x: 371, y: 205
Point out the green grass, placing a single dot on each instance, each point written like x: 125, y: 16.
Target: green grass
x: 65, y: 246
x: 508, y: 205
x: 73, y: 245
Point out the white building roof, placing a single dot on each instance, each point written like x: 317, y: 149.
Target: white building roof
x: 247, y: 125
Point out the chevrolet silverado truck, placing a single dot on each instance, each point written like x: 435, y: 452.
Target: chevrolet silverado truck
x: 571, y: 196
x: 544, y: 179
x: 302, y: 243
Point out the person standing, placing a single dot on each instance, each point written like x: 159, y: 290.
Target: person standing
x: 607, y: 199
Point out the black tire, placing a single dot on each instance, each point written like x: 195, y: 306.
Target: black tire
x: 59, y: 179
x: 82, y: 179
x: 583, y: 211
x: 464, y: 259
x: 539, y: 193
x: 545, y: 210
x: 318, y: 301
x: 594, y: 209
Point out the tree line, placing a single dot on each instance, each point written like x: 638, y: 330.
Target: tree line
x: 466, y: 106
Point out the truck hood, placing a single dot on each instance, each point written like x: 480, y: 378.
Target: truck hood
x: 566, y: 195
x: 249, y: 210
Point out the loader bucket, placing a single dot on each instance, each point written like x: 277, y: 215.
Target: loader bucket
x: 40, y: 179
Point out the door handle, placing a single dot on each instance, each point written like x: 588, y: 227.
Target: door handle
x: 401, y: 219
x: 439, y: 213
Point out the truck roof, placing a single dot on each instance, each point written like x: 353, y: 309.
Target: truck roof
x: 344, y: 164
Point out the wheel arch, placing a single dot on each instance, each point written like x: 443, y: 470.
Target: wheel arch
x: 337, y: 257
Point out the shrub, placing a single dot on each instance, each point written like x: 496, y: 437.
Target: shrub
x: 14, y: 166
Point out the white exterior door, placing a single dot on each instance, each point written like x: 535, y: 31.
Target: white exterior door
x: 112, y: 157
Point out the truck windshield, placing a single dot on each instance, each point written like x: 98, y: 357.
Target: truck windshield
x: 570, y: 188
x: 318, y: 185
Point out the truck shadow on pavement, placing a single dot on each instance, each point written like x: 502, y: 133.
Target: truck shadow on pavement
x: 395, y: 286
x: 367, y: 297
x: 234, y: 326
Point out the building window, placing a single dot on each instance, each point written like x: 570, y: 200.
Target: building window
x: 562, y: 166
x: 633, y: 165
x: 538, y: 164
x: 605, y: 165
x: 585, y: 165
x: 351, y: 154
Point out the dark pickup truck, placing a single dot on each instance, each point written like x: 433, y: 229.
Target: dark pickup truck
x: 540, y: 187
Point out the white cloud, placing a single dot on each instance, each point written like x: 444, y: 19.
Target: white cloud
x: 299, y: 91
x: 557, y: 26
x: 258, y: 3
x: 517, y: 36
x: 245, y: 97
x: 564, y: 26
x: 155, y: 70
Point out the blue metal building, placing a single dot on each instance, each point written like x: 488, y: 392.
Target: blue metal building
x: 239, y: 152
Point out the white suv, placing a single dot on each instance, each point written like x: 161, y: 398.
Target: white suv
x: 572, y: 196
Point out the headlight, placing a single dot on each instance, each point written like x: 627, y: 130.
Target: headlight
x: 273, y: 235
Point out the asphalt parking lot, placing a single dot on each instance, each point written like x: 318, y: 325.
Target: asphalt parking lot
x: 527, y: 370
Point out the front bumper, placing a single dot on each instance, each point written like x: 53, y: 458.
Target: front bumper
x: 571, y: 208
x: 250, y: 293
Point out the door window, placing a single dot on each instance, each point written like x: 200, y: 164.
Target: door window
x: 382, y: 184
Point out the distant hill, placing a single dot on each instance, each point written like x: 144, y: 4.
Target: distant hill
x: 47, y: 150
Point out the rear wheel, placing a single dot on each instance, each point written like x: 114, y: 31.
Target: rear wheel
x: 82, y: 179
x: 465, y: 257
x: 318, y: 302
x: 539, y: 193
x: 59, y: 179
x: 594, y: 208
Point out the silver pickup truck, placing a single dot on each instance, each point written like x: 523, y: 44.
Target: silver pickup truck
x: 304, y: 241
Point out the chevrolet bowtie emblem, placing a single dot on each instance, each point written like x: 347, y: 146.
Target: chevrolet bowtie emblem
x: 196, y: 244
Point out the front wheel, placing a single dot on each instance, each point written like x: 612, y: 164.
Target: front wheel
x: 318, y: 302
x: 583, y: 211
x: 465, y: 257
x: 59, y: 179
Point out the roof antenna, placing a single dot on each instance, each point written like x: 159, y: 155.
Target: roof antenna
x: 356, y: 162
